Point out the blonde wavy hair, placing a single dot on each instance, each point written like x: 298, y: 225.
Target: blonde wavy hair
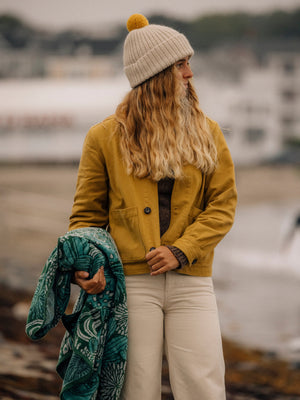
x: 161, y: 130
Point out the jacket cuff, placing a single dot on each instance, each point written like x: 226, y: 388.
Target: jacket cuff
x: 180, y: 256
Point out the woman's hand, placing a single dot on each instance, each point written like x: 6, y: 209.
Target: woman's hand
x: 161, y: 260
x: 91, y: 286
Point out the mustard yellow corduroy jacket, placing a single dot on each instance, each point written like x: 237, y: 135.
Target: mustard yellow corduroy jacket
x: 202, y: 207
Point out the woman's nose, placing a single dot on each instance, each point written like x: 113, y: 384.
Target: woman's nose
x: 188, y: 73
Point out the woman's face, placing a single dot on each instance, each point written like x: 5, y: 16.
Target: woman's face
x: 183, y: 71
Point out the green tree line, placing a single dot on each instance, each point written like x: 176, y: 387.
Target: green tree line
x: 204, y: 32
x: 215, y: 29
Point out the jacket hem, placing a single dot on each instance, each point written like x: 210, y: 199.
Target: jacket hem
x: 142, y: 268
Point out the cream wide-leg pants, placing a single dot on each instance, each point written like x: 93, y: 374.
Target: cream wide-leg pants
x: 179, y: 313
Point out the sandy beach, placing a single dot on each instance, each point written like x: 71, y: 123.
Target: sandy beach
x: 36, y: 202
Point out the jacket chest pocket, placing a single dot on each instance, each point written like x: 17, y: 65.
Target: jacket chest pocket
x: 125, y: 230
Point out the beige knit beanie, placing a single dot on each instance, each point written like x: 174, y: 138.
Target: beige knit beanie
x: 149, y: 49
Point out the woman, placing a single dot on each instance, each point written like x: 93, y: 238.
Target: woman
x: 159, y: 175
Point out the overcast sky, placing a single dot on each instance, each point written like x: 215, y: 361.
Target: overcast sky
x: 61, y: 14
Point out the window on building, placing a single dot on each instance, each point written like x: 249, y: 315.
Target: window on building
x: 288, y: 94
x: 249, y: 108
x: 289, y: 67
x: 254, y: 135
x: 288, y: 120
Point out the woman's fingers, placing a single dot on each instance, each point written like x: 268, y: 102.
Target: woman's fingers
x: 161, y: 260
x: 94, y: 285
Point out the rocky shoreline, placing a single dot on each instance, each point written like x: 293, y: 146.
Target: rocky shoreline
x: 27, y: 370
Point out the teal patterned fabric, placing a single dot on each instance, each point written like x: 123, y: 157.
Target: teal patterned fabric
x: 92, y: 357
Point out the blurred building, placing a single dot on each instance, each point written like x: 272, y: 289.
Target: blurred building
x: 20, y: 64
x: 256, y: 104
x: 287, y: 67
x: 26, y: 64
x: 259, y: 112
x: 70, y: 67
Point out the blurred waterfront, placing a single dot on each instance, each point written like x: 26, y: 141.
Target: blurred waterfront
x: 50, y: 98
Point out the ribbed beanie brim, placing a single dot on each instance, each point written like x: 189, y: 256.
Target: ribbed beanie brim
x: 151, y: 49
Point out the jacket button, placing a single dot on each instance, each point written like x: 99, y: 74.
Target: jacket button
x: 147, y: 210
x: 194, y: 261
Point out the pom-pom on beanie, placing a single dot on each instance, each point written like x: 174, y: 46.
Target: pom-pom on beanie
x: 149, y: 49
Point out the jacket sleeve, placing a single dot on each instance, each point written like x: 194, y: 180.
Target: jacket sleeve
x: 90, y: 207
x: 217, y: 216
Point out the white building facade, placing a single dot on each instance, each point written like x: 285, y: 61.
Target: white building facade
x: 260, y: 112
